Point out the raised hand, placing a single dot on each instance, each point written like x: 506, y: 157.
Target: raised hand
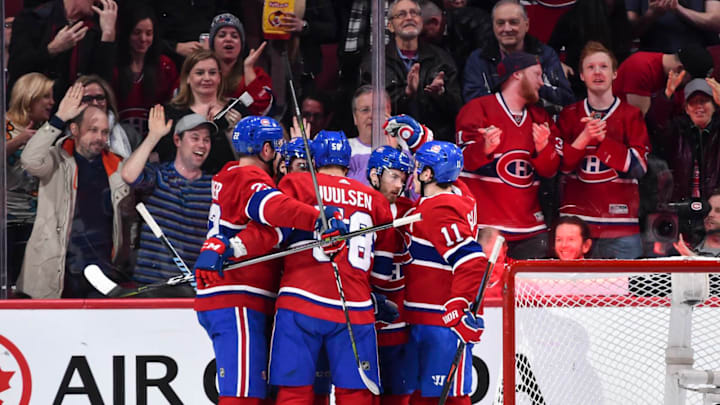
x: 108, y: 18
x: 67, y: 38
x: 250, y: 62
x: 673, y: 81
x: 71, y: 105
x: 295, y: 128
x: 715, y: 86
x: 156, y: 122
x: 186, y: 48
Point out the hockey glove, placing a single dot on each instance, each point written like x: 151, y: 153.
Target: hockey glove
x: 406, y: 128
x: 386, y: 311
x: 336, y: 227
x: 214, y: 252
x: 458, y: 317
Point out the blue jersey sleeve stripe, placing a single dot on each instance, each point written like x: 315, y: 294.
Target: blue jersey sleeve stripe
x: 256, y: 205
x: 460, y: 245
x: 458, y: 257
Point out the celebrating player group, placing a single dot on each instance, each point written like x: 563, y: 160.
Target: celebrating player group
x: 378, y: 315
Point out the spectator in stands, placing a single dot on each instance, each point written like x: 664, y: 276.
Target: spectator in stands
x: 97, y: 92
x: 422, y: 79
x: 690, y: 145
x: 510, y: 25
x: 646, y: 73
x: 317, y: 110
x: 508, y: 144
x: 666, y: 26
x: 710, y: 245
x: 316, y: 27
x: 201, y: 92
x: 571, y: 238
x: 143, y: 77
x: 177, y: 195
x: 605, y: 148
x: 181, y: 22
x: 458, y: 30
x: 63, y: 40
x: 362, y: 144
x: 227, y: 38
x: 82, y: 203
x: 31, y: 103
x: 604, y: 21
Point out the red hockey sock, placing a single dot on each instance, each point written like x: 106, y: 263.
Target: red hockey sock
x: 240, y: 401
x: 394, y: 399
x: 302, y: 395
x: 347, y: 396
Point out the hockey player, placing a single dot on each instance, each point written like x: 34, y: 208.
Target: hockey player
x: 605, y: 152
x: 234, y: 307
x: 293, y: 156
x: 507, y: 143
x: 443, y: 278
x: 388, y: 171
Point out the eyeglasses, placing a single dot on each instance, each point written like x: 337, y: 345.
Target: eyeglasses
x: 403, y: 14
x: 364, y: 110
x: 90, y: 98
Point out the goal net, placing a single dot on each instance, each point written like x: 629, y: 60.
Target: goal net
x: 596, y: 332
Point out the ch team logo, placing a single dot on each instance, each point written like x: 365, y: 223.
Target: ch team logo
x: 593, y: 170
x: 265, y: 122
x: 514, y: 168
x: 15, y: 379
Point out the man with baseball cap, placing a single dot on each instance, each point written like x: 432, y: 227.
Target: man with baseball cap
x: 508, y: 144
x: 177, y: 195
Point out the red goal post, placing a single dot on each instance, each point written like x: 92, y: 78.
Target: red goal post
x: 596, y: 331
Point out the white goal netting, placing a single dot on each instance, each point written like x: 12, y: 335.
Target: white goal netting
x: 600, y: 337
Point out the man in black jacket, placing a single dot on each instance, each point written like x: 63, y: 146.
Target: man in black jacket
x: 422, y: 79
x: 64, y: 40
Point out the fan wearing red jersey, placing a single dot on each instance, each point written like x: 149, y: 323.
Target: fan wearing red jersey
x: 509, y: 143
x: 605, y: 154
x: 234, y: 307
x: 443, y: 277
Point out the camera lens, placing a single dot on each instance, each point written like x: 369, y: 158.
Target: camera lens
x: 665, y: 228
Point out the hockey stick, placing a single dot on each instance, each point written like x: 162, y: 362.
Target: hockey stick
x: 155, y: 228
x: 306, y: 144
x: 95, y: 276
x: 106, y: 286
x: 370, y: 384
x: 474, y: 308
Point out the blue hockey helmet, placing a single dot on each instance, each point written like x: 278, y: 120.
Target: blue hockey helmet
x: 331, y: 148
x: 387, y: 157
x: 251, y: 133
x: 444, y: 158
x: 293, y: 149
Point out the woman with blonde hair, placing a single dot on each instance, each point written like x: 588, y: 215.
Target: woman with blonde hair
x: 200, y: 91
x: 31, y: 103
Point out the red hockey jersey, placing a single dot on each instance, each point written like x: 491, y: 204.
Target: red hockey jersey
x: 601, y: 181
x: 242, y: 194
x: 447, y: 261
x: 505, y: 184
x: 308, y: 282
